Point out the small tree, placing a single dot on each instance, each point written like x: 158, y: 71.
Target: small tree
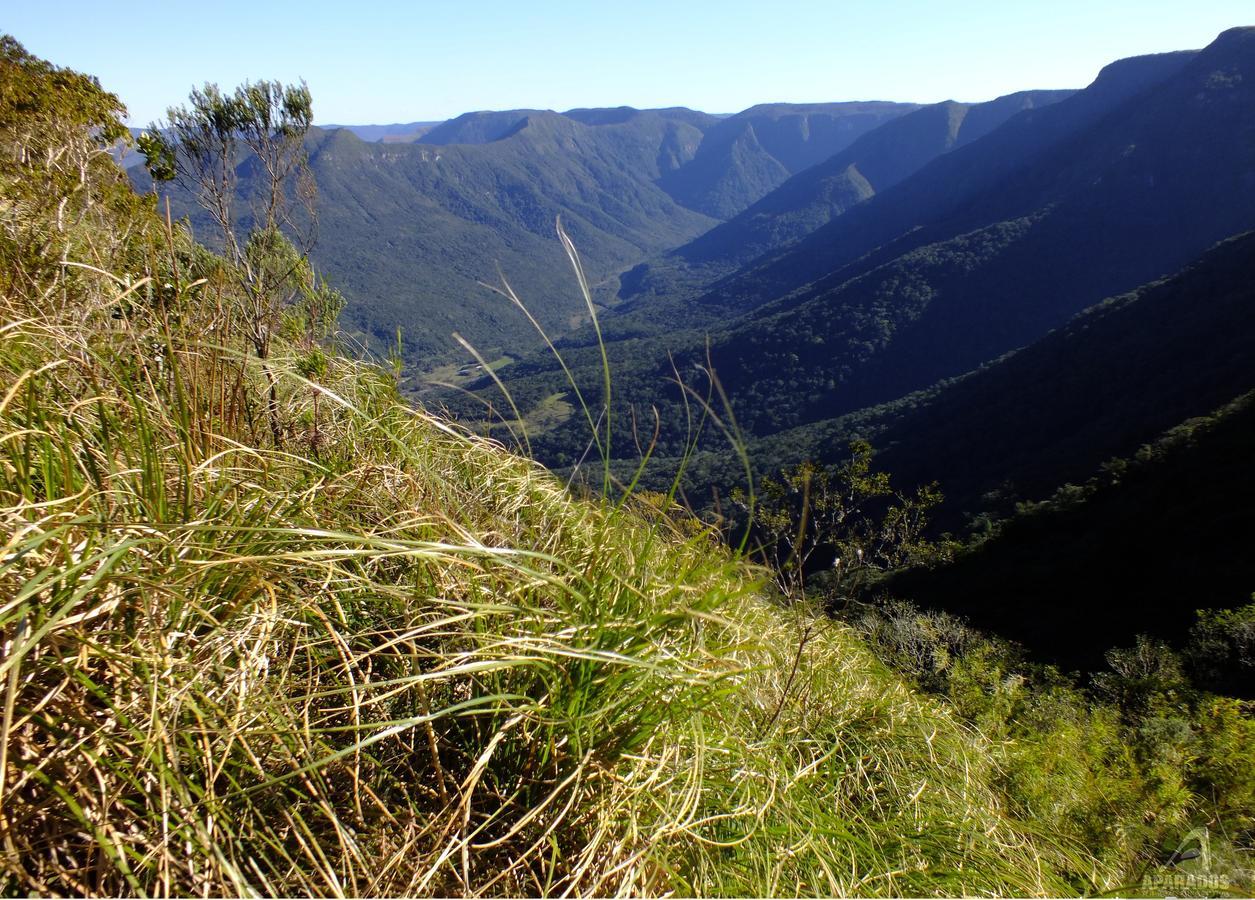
x: 200, y: 147
x: 851, y: 512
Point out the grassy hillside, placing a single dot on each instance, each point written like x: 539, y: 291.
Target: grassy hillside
x: 362, y: 653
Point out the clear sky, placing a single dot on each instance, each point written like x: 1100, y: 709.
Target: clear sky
x: 387, y: 61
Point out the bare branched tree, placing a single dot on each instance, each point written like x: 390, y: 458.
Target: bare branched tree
x: 850, y: 512
x: 202, y: 146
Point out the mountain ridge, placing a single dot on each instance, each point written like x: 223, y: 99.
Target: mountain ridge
x: 1076, y: 220
x: 816, y: 195
x: 410, y: 229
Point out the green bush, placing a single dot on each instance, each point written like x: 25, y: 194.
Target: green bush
x: 1123, y: 768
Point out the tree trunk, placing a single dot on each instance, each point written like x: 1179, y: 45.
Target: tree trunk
x: 272, y: 393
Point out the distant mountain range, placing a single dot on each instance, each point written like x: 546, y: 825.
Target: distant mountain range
x: 816, y: 195
x: 388, y: 134
x: 411, y: 221
x: 1004, y: 312
x: 981, y: 251
x: 718, y: 168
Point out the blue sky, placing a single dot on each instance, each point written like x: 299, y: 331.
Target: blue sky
x: 392, y: 61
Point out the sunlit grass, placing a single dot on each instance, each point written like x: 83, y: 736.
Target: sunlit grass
x: 390, y: 658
